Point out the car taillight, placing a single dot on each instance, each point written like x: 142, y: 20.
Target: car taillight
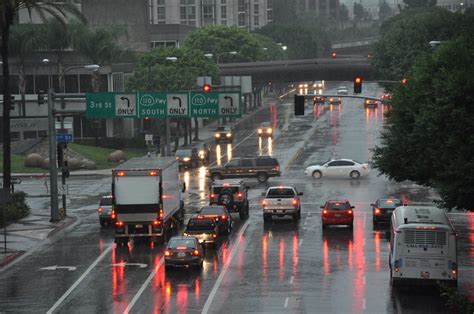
x: 119, y: 223
x: 325, y: 212
x: 167, y: 253
x: 264, y: 202
x: 196, y: 252
x: 240, y: 195
x: 223, y: 217
x: 349, y: 212
x: 214, y: 235
x: 454, y: 269
x: 377, y: 211
x: 212, y: 195
x: 396, y: 266
x: 276, y: 168
x: 156, y: 222
x: 113, y: 214
x: 294, y: 202
x: 181, y: 248
x: 99, y: 209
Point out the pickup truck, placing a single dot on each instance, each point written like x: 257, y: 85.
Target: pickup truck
x: 281, y: 201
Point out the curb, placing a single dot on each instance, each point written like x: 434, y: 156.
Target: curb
x: 63, y: 225
x: 10, y: 258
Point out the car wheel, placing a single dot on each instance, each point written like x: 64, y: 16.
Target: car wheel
x: 242, y: 215
x: 102, y: 223
x: 317, y: 174
x: 262, y: 177
x: 299, y: 214
x: 351, y: 226
x: 355, y: 174
x: 295, y: 217
x: 375, y: 223
x: 267, y: 217
x: 216, y: 176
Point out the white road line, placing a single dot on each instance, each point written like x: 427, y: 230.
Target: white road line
x: 211, y: 296
x: 301, y: 242
x: 142, y: 288
x: 286, y: 301
x: 78, y: 281
x: 292, y: 279
x: 363, y: 304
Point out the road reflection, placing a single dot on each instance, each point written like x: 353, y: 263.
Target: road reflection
x: 218, y: 155
x: 265, y: 150
x: 229, y: 152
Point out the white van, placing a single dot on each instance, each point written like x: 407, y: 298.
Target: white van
x: 422, y: 246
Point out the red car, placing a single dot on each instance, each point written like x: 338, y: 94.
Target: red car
x: 337, y: 212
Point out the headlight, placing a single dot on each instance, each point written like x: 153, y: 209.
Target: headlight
x: 259, y: 131
x: 269, y: 130
x: 186, y: 159
x: 228, y: 135
x: 217, y: 135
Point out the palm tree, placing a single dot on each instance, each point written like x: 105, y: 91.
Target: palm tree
x: 8, y: 12
x: 24, y: 39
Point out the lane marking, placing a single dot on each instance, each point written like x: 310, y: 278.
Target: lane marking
x: 363, y: 280
x: 363, y: 304
x: 144, y: 285
x: 211, y: 296
x: 78, y: 281
x: 301, y: 241
x: 286, y: 301
x: 292, y: 279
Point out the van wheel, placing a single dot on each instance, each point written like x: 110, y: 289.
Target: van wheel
x: 324, y: 226
x: 262, y: 177
x: 317, y: 174
x: 355, y: 174
x: 216, y: 176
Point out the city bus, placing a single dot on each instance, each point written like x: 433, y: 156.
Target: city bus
x: 422, y: 247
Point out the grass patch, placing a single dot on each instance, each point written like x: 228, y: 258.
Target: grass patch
x: 18, y: 165
x: 99, y: 155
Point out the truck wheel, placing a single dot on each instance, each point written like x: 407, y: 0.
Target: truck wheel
x: 226, y: 198
x: 216, y: 176
x: 267, y: 217
x: 262, y: 177
x: 242, y: 214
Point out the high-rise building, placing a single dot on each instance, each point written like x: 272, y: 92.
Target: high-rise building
x: 324, y: 8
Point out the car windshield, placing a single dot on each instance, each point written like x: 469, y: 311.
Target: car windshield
x: 190, y: 243
x: 183, y: 152
x: 212, y: 211
x: 281, y: 193
x: 221, y: 128
x: 106, y: 201
x: 390, y: 203
x: 200, y: 224
x: 338, y: 206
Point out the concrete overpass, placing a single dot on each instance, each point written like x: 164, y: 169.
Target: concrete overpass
x: 338, y: 69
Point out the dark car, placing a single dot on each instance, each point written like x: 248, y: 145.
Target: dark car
x: 261, y: 168
x: 383, y: 208
x: 203, y: 152
x: 319, y: 100
x: 232, y: 194
x: 183, y: 251
x: 205, y: 230
x: 371, y: 103
x: 220, y: 214
x: 337, y: 212
x: 105, y: 210
x: 334, y: 100
x: 224, y: 134
x: 187, y: 157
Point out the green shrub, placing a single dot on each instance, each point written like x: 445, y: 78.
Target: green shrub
x: 16, y: 210
x: 456, y: 302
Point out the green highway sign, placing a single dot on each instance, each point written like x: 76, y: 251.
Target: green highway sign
x: 162, y: 104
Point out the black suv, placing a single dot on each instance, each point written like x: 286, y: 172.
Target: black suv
x: 247, y: 167
x: 187, y: 157
x: 232, y: 194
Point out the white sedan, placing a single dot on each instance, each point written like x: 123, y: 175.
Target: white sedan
x: 342, y: 168
x: 342, y: 90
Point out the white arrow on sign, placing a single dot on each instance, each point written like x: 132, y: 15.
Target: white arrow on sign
x: 56, y: 267
x: 130, y: 264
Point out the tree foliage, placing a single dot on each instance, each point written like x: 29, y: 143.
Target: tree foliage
x: 406, y: 36
x: 430, y: 133
x: 385, y: 11
x: 360, y: 13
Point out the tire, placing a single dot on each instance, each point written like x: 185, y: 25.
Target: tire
x: 375, y: 223
x: 216, y: 176
x: 262, y: 177
x: 324, y: 226
x: 299, y: 214
x: 355, y: 174
x: 317, y: 174
x: 295, y: 217
x: 242, y: 214
x: 351, y: 226
x: 225, y: 198
x: 168, y: 268
x: 267, y: 217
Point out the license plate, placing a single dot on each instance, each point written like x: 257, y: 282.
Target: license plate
x: 182, y: 254
x: 425, y: 274
x: 138, y: 226
x: 337, y: 215
x: 389, y: 211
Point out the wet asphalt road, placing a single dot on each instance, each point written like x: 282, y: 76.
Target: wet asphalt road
x: 275, y: 267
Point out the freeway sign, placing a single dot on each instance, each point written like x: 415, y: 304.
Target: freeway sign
x: 204, y: 104
x: 100, y: 105
x: 152, y: 105
x: 63, y: 137
x: 230, y: 105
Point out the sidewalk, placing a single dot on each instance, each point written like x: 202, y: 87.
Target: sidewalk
x: 26, y: 235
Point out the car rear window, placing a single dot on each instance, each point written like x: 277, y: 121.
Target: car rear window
x: 218, y: 190
x: 338, y: 206
x: 106, y: 201
x: 390, y: 203
x: 267, y: 162
x: 182, y: 242
x: 212, y: 211
x: 280, y: 193
x: 201, y: 224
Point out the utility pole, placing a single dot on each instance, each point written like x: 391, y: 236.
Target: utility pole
x: 53, y: 169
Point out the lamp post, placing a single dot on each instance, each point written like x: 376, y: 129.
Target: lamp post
x: 167, y: 120
x: 233, y: 53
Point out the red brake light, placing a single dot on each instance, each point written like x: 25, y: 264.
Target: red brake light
x: 224, y: 217
x: 240, y: 195
x: 214, y: 235
x: 349, y: 212
x: 225, y: 184
x: 167, y: 253
x: 156, y: 222
x: 120, y: 173
x: 264, y: 202
x: 325, y: 212
x: 377, y: 211
x: 294, y: 202
x: 196, y: 252
x: 99, y: 209
x: 396, y: 266
x: 213, y: 195
x: 152, y: 173
x: 113, y: 214
x: 181, y: 248
x: 119, y: 223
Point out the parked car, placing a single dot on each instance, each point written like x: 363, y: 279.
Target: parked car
x: 224, y: 134
x: 220, y: 214
x: 265, y: 130
x: 383, y: 208
x: 187, y: 156
x: 342, y: 90
x: 205, y: 230
x: 337, y: 212
x: 281, y: 201
x: 345, y: 168
x: 183, y: 251
x: 261, y: 168
x: 105, y: 210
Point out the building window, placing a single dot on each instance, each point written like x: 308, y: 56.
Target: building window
x: 207, y: 14
x: 255, y: 9
x: 242, y: 6
x: 182, y: 14
x: 161, y: 15
x: 242, y: 19
x: 224, y: 22
x: 223, y: 1
x: 163, y: 43
x: 255, y: 21
x: 223, y: 12
x: 269, y: 15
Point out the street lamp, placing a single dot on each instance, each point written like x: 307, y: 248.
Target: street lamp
x: 167, y: 120
x: 284, y: 48
x: 208, y: 55
x: 233, y: 53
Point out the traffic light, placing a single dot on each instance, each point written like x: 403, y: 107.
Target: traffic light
x: 206, y: 88
x: 369, y: 55
x: 334, y: 54
x: 40, y: 97
x: 147, y: 124
x: 404, y: 81
x: 299, y: 105
x: 357, y: 85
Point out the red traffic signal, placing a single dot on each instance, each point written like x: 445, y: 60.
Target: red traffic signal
x: 404, y: 81
x: 369, y: 55
x: 206, y: 88
x: 334, y: 54
x: 357, y: 85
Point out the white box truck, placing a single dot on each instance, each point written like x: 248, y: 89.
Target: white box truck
x: 147, y: 198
